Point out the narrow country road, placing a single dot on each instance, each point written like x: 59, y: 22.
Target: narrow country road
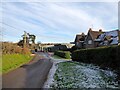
x: 31, y: 75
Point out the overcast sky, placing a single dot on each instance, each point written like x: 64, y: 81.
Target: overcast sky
x: 56, y: 21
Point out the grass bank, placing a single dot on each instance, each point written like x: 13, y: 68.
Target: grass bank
x: 63, y: 54
x: 13, y: 61
x: 57, y: 57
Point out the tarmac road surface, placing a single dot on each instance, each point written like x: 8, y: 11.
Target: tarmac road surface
x: 31, y: 75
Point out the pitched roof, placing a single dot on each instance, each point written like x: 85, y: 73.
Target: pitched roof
x: 107, y: 37
x: 95, y: 34
x: 80, y: 37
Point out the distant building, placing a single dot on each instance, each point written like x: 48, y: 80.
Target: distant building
x: 53, y: 46
x: 90, y: 38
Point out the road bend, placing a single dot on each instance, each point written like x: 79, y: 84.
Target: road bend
x: 30, y: 75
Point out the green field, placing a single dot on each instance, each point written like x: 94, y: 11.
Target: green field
x: 13, y: 61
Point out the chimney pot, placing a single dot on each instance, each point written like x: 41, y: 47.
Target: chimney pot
x: 82, y: 34
x: 90, y: 29
x: 100, y: 30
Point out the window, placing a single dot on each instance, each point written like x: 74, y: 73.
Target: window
x: 90, y: 42
x: 105, y: 42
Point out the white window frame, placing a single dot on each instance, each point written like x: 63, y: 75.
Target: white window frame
x: 89, y: 41
x: 106, y: 42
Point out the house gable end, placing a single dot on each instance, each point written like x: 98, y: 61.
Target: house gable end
x: 88, y: 37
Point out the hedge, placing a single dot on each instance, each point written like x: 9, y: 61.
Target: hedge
x: 63, y: 54
x: 104, y: 57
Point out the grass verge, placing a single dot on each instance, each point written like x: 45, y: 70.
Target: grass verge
x: 57, y: 57
x: 63, y: 54
x: 13, y: 61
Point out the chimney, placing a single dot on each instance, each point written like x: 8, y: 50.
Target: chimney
x: 83, y: 34
x: 90, y: 29
x: 100, y: 30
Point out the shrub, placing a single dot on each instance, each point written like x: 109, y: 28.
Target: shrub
x: 63, y: 54
x: 10, y: 48
x: 105, y: 57
x: 73, y: 48
x: 17, y: 49
x: 13, y: 48
x: 25, y: 51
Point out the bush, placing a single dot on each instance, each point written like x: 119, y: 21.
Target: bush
x: 13, y: 48
x: 73, y: 48
x: 105, y: 57
x: 25, y: 51
x: 63, y: 54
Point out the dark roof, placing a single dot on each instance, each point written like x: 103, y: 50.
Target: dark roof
x: 80, y: 37
x: 77, y: 39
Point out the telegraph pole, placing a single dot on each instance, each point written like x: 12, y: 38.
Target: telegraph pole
x: 25, y: 39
